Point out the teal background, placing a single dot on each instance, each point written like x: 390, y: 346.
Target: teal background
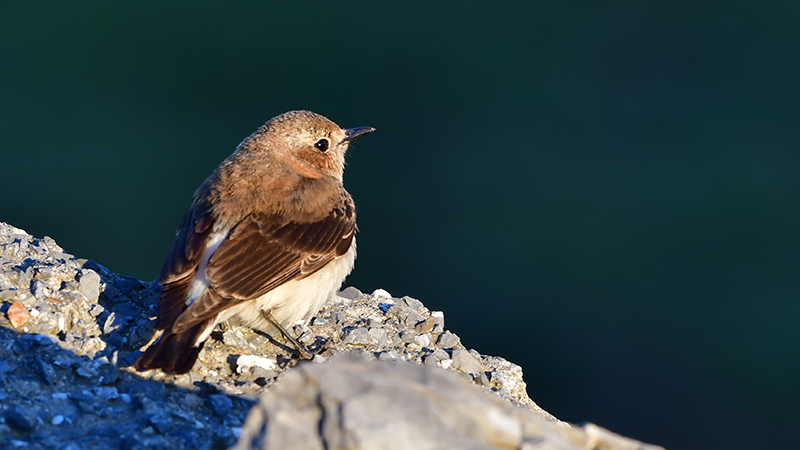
x: 605, y: 193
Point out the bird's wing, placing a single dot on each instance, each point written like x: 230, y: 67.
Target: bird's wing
x: 182, y: 260
x: 263, y: 252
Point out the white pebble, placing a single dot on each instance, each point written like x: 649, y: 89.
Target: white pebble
x: 57, y: 420
x: 423, y: 340
x: 446, y: 363
x: 381, y: 293
x: 59, y: 395
x: 245, y: 362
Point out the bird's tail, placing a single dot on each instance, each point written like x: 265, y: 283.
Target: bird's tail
x: 173, y: 353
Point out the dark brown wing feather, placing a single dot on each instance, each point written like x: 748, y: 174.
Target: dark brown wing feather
x: 173, y: 353
x: 181, y: 262
x: 263, y: 252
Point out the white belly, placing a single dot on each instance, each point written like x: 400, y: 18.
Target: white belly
x: 289, y: 303
x: 296, y: 300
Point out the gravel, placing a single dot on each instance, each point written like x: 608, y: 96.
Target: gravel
x: 70, y: 330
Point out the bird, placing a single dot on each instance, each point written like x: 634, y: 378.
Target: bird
x: 268, y: 238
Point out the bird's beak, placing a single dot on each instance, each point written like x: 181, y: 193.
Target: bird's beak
x: 353, y: 133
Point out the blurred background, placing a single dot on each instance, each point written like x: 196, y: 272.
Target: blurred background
x: 605, y: 193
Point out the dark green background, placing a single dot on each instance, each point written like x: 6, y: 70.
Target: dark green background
x: 605, y: 193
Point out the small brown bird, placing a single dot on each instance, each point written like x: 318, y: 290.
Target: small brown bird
x: 267, y: 240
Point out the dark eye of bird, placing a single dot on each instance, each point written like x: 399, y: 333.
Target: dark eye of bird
x: 321, y: 145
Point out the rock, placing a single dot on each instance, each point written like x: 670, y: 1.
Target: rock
x: 426, y: 326
x: 381, y: 293
x: 47, y: 372
x: 161, y: 422
x: 354, y: 403
x: 222, y: 405
x: 106, y: 393
x: 20, y: 419
x: 234, y: 338
x: 379, y: 336
x: 90, y: 285
x: 350, y: 293
x: 17, y: 315
x: 356, y: 336
x: 463, y: 361
x: 150, y: 388
x: 245, y: 362
x: 39, y: 289
x: 85, y: 385
x: 413, y: 303
x: 448, y: 340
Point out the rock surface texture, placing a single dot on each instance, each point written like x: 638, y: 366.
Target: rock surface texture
x: 386, y: 374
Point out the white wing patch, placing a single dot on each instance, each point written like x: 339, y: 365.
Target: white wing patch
x: 200, y: 282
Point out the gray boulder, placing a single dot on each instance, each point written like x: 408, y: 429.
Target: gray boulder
x: 355, y: 403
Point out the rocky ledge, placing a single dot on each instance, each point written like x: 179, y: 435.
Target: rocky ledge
x: 386, y: 374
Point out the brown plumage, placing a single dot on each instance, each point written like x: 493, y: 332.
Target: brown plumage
x: 272, y: 229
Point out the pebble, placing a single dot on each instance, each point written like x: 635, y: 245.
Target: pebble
x: 21, y: 346
x: 380, y: 336
x: 260, y: 372
x: 381, y: 293
x: 464, y: 362
x: 441, y: 354
x: 426, y: 326
x: 423, y: 340
x: 234, y: 338
x: 57, y: 420
x: 221, y: 404
x: 356, y: 336
x: 161, y: 422
x: 504, y: 381
x: 82, y: 372
x: 4, y: 367
x: 125, y: 284
x: 47, y: 372
x: 350, y: 293
x: 106, y: 393
x: 245, y: 362
x: 17, y: 315
x: 448, y: 340
x: 430, y: 360
x: 39, y: 289
x: 439, y: 327
x: 413, y: 303
x: 90, y: 285
x: 150, y: 388
x: 20, y: 419
x: 391, y: 355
